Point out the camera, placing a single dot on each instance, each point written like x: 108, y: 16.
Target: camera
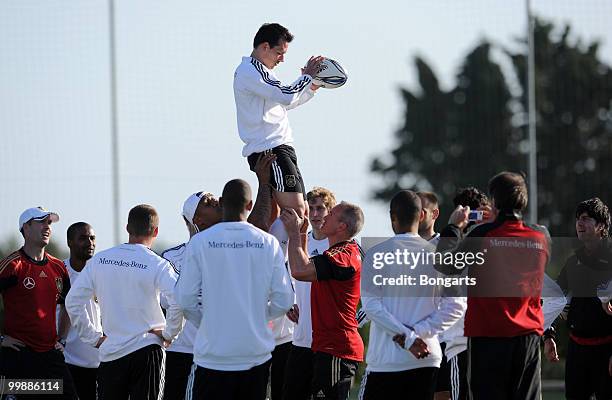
x: 475, y: 216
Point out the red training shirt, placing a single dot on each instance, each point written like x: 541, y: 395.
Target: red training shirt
x: 515, y: 273
x: 31, y: 291
x: 334, y: 297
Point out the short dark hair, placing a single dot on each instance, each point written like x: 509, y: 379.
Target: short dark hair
x: 142, y: 220
x: 598, y: 210
x: 74, y: 228
x: 406, y: 207
x: 428, y: 197
x: 471, y: 197
x: 352, y: 217
x: 509, y: 191
x: 236, y: 196
x: 272, y: 34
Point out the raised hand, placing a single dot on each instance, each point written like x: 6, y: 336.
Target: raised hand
x: 459, y: 217
x: 262, y: 167
x: 293, y: 223
x: 312, y: 66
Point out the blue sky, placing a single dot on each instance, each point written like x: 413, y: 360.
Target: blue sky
x: 175, y: 63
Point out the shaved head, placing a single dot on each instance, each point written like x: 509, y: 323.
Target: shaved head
x: 236, y: 197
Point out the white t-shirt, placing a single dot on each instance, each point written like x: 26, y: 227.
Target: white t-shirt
x: 262, y: 103
x: 76, y: 352
x: 282, y: 327
x: 302, y: 335
x: 240, y: 272
x: 184, y: 341
x: 127, y: 281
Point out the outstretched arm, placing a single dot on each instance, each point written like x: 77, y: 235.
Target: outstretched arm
x: 302, y: 267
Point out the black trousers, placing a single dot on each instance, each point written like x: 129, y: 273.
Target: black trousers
x: 277, y: 371
x: 458, y: 376
x: 503, y: 368
x: 332, y: 376
x: 298, y: 374
x: 137, y: 376
x: 178, y: 367
x: 285, y: 175
x: 443, y: 380
x: 29, y: 364
x: 414, y: 384
x: 586, y: 371
x: 85, y: 381
x: 211, y: 384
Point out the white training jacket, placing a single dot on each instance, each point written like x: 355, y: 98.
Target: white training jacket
x: 127, y: 281
x: 262, y: 102
x: 456, y: 342
x: 302, y: 335
x: 416, y: 311
x: 240, y: 271
x: 184, y: 341
x: 76, y: 352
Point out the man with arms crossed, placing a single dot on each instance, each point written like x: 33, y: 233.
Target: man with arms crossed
x: 335, y: 292
x: 298, y: 372
x: 240, y: 272
x: 32, y: 284
x: 82, y: 359
x: 262, y: 103
x: 200, y: 211
x: 403, y: 353
x: 127, y: 280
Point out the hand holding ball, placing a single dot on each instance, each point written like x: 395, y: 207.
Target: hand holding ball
x: 329, y: 73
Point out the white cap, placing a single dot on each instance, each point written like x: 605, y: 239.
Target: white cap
x: 37, y: 213
x: 191, y: 204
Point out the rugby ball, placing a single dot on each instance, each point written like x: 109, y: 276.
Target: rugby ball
x: 331, y: 75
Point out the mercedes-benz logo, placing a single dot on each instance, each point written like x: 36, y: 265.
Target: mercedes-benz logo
x: 29, y: 283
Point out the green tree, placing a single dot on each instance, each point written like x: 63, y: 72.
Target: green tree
x: 463, y: 136
x: 8, y: 246
x: 454, y: 138
x: 55, y: 247
x: 574, y: 123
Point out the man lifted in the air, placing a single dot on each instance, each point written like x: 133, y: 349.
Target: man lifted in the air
x: 262, y: 103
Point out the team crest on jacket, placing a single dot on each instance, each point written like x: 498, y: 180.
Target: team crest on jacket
x: 59, y: 284
x: 290, y: 180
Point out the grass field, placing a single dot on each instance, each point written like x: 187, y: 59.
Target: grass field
x: 548, y: 395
